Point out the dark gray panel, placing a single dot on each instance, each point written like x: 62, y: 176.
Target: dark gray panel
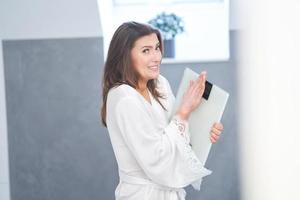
x: 57, y: 147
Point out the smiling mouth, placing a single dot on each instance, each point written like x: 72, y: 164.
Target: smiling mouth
x: 154, y: 67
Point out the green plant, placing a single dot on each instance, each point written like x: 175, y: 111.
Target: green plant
x: 169, y: 24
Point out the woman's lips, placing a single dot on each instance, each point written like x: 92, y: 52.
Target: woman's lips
x: 154, y: 67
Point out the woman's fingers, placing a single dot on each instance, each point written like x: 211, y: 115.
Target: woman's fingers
x: 199, y: 88
x: 215, y: 132
x: 203, y: 78
x: 218, y: 126
x: 195, y: 86
x: 213, y: 140
x: 202, y: 81
x: 214, y: 136
x: 190, y: 88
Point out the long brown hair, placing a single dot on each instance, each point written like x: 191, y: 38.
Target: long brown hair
x: 118, y: 69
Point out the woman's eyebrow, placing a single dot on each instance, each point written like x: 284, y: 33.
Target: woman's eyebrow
x: 149, y: 46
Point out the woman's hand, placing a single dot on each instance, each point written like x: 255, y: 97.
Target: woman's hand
x: 192, y: 97
x: 215, y: 132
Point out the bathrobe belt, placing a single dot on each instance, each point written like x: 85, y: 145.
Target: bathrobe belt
x: 141, y: 181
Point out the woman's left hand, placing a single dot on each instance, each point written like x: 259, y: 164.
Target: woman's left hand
x: 215, y: 132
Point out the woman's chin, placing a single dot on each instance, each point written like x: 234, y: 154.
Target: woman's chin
x: 155, y: 75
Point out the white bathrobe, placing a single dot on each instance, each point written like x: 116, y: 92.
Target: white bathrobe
x: 153, y: 153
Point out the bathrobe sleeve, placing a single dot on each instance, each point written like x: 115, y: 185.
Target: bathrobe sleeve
x: 165, y: 155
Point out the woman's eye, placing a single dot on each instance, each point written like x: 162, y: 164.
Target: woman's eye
x: 146, y: 51
x: 157, y: 48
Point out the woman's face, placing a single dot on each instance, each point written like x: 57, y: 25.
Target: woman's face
x: 146, y: 57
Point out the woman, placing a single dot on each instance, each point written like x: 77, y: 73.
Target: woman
x: 152, y: 147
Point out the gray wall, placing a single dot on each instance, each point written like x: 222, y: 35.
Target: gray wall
x: 56, y: 146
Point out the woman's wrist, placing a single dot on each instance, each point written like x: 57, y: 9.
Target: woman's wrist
x: 182, y: 114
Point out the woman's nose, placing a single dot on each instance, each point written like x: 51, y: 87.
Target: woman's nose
x: 157, y: 56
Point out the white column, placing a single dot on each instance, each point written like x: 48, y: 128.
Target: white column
x: 269, y: 88
x: 4, y: 169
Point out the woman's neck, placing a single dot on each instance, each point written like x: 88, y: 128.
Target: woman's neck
x: 142, y: 86
x: 143, y: 90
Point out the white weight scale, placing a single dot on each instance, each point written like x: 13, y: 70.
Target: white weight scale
x: 202, y: 119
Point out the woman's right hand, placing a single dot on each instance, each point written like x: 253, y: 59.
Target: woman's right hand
x: 192, y: 97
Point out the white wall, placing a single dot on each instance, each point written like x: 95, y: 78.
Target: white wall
x: 34, y: 20
x: 49, y: 19
x: 233, y: 14
x: 206, y: 37
x: 270, y: 100
x: 4, y: 171
x: 105, y: 8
